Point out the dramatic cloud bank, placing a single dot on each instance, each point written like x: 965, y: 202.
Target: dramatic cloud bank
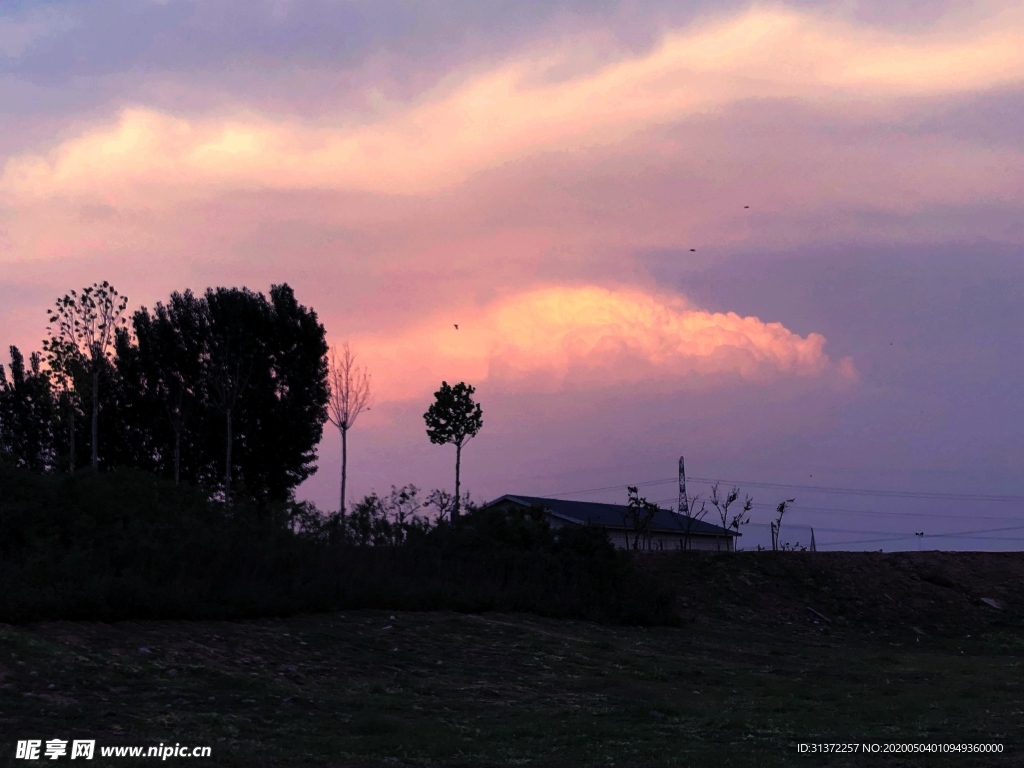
x: 582, y: 338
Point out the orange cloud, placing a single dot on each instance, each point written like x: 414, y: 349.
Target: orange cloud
x: 514, y: 110
x: 578, y: 337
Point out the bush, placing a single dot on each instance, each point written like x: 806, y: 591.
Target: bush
x: 127, y: 544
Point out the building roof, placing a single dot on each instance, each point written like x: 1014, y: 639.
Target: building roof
x: 610, y: 515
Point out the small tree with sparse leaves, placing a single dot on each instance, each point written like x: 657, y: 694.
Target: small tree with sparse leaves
x: 444, y: 501
x: 637, y: 517
x: 692, y: 512
x: 722, y: 504
x: 777, y: 523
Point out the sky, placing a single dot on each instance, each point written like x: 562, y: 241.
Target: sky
x: 569, y: 182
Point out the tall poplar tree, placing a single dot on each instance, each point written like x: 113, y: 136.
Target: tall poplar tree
x: 171, y: 350
x: 81, y: 338
x: 239, y: 324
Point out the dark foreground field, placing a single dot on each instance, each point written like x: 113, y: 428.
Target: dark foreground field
x: 902, y: 649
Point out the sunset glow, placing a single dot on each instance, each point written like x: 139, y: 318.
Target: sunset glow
x: 767, y: 235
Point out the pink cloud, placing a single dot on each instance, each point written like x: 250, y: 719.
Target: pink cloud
x: 557, y: 338
x: 486, y: 119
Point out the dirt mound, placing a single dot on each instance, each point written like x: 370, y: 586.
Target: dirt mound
x: 940, y: 593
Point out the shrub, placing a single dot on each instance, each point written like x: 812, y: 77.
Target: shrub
x: 127, y: 544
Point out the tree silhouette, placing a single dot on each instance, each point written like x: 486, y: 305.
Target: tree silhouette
x: 265, y: 369
x: 777, y: 523
x: 454, y: 418
x: 132, y: 411
x: 81, y: 340
x: 444, y: 501
x: 66, y: 373
x: 349, y: 395
x: 26, y: 414
x: 238, y: 328
x: 226, y: 390
x: 638, y: 515
x: 692, y: 512
x: 170, y: 354
x: 286, y: 408
x: 722, y: 504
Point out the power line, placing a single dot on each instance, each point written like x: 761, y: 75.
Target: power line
x: 979, y: 497
x: 987, y: 530
x: 841, y: 544
x: 931, y: 535
x: 833, y: 511
x: 620, y: 487
x: 992, y: 538
x: 863, y: 541
x: 969, y: 535
x: 871, y: 492
x: 883, y: 536
x: 955, y: 534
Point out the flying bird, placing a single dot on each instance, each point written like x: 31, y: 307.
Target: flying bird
x: 746, y: 206
x: 456, y: 326
x: 693, y: 250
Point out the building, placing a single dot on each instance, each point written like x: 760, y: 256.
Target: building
x: 666, y: 531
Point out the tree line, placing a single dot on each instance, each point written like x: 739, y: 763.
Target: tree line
x: 228, y: 391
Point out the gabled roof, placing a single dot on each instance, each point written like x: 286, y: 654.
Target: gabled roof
x: 610, y: 515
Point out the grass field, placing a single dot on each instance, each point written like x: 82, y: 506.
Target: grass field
x: 728, y: 688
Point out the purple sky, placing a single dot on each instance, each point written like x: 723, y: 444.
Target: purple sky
x: 538, y: 172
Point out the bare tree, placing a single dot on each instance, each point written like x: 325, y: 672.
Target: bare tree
x: 722, y: 505
x: 82, y: 336
x: 349, y: 388
x: 692, y: 511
